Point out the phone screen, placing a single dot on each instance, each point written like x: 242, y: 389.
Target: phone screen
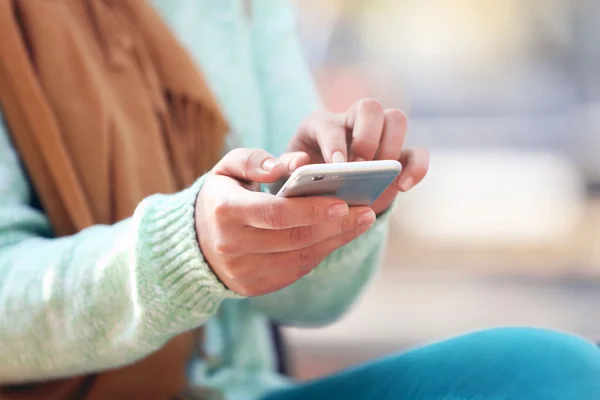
x: 355, y: 189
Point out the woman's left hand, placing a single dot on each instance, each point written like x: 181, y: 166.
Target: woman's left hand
x: 365, y: 132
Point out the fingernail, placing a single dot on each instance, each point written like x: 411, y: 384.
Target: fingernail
x: 359, y: 159
x: 338, y: 210
x: 407, y: 184
x: 338, y: 157
x: 269, y: 164
x: 366, y: 218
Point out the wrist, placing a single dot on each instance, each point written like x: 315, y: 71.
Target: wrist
x: 168, y: 246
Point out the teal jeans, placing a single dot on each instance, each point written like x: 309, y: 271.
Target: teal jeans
x: 497, y: 364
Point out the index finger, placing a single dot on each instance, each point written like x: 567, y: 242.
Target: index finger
x: 329, y: 131
x: 266, y: 211
x: 366, y: 120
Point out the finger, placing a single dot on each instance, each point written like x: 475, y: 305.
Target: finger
x: 265, y: 211
x: 365, y: 120
x: 392, y: 138
x: 295, y: 263
x: 254, y: 165
x: 264, y: 241
x: 415, y: 164
x: 329, y: 132
x: 294, y: 160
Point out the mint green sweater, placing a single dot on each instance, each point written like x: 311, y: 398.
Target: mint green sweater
x: 110, y: 295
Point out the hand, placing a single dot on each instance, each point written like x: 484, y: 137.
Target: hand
x: 365, y: 132
x: 257, y: 243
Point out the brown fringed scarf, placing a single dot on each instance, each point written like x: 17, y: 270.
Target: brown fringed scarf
x: 105, y: 108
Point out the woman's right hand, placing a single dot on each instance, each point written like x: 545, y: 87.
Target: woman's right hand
x: 258, y: 243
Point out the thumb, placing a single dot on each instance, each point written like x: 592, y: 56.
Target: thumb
x: 295, y: 159
x: 254, y: 165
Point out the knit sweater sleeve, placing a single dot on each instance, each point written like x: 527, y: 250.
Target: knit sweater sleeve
x: 101, y: 298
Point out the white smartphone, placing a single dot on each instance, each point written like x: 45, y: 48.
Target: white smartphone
x: 357, y: 183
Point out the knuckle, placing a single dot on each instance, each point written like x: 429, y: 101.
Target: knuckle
x: 301, y: 235
x: 425, y: 156
x: 234, y: 153
x: 221, y: 208
x: 225, y: 273
x: 314, y: 214
x: 223, y: 247
x: 348, y: 223
x: 233, y: 156
x: 233, y: 268
x: 307, y: 257
x: 273, y: 215
x: 370, y: 106
x: 420, y: 162
x: 246, y: 291
x: 252, y: 159
x: 365, y: 145
x: 333, y: 127
x: 227, y: 158
x: 396, y: 117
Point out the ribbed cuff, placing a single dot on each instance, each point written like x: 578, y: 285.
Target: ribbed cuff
x: 168, y: 242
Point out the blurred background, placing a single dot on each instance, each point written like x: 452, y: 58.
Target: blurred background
x: 505, y: 230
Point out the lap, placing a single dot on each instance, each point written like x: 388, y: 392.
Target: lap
x: 497, y: 364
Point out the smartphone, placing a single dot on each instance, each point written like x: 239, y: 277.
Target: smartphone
x: 357, y: 183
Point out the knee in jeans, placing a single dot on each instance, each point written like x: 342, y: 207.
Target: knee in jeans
x: 540, y: 347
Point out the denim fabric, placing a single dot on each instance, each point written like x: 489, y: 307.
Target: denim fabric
x: 497, y: 364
